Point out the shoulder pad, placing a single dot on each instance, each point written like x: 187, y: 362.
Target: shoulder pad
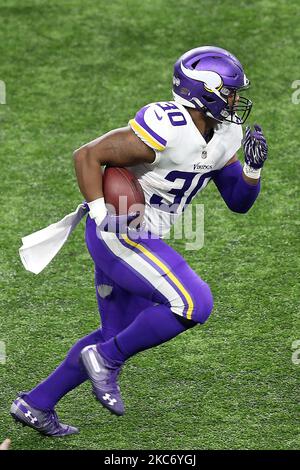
x: 153, y: 126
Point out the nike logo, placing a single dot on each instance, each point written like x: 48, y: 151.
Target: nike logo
x: 158, y: 117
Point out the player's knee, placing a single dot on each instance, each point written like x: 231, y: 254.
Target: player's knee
x: 204, y: 303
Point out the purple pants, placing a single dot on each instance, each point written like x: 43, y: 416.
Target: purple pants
x: 131, y: 275
x: 137, y: 282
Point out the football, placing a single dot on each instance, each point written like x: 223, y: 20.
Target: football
x: 122, y: 191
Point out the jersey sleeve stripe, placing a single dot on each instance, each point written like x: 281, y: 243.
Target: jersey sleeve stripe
x: 145, y: 135
x: 139, y: 118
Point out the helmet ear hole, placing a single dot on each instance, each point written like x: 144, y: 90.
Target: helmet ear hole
x: 209, y: 99
x: 184, y: 91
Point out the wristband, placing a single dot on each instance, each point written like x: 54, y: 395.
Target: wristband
x: 251, y: 172
x: 98, y: 210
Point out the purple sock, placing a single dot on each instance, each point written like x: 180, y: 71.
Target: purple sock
x: 154, y: 326
x: 67, y: 376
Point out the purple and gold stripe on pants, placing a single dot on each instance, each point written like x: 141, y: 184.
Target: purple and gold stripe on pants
x: 164, y: 270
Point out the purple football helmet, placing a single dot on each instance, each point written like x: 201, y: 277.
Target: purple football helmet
x: 205, y: 77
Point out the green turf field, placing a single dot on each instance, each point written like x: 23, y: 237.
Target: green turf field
x: 73, y: 70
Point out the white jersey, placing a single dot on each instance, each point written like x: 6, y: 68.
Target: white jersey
x: 184, y: 162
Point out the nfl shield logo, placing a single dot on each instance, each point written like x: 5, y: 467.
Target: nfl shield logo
x: 204, y: 154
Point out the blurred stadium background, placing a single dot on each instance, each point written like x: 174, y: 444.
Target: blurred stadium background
x: 74, y: 70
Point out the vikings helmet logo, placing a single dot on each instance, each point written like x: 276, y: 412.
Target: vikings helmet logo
x: 212, y: 80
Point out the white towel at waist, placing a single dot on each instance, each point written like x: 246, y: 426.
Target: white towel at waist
x: 40, y: 247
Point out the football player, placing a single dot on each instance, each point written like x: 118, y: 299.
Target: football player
x: 147, y: 293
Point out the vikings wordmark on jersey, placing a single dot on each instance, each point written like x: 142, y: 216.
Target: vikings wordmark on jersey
x: 184, y: 163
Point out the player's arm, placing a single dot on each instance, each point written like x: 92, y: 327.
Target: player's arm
x: 239, y: 186
x: 246, y: 178
x: 120, y: 147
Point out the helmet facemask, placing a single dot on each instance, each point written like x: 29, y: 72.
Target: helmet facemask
x: 239, y: 110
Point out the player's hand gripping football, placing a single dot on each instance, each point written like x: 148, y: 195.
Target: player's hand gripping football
x: 118, y: 223
x: 255, y: 150
x: 110, y: 222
